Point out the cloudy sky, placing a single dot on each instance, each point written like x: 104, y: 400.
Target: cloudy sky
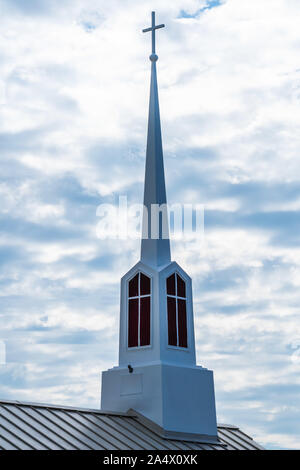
x: 74, y: 85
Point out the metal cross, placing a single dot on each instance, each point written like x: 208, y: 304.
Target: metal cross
x: 152, y: 29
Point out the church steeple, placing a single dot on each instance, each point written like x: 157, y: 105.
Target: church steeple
x: 157, y: 373
x: 155, y: 246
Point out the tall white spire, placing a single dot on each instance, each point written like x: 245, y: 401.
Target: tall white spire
x: 155, y: 246
x: 157, y: 373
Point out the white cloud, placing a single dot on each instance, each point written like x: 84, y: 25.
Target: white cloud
x: 75, y: 79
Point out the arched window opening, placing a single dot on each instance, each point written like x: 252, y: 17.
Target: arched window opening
x: 139, y: 304
x: 176, y: 305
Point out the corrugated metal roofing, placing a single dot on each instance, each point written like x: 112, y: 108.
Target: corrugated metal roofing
x: 32, y: 426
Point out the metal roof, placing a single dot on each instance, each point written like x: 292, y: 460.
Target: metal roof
x: 35, y: 426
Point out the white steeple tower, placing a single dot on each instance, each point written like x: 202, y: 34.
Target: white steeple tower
x: 157, y: 373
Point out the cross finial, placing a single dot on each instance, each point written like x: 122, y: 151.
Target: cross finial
x: 153, y: 27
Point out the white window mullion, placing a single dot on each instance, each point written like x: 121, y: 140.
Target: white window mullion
x: 139, y: 313
x: 176, y: 302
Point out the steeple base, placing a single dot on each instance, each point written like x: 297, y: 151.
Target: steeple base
x: 178, y: 399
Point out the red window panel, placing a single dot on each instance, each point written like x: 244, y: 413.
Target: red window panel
x: 180, y: 286
x: 134, y: 286
x: 172, y: 326
x: 145, y: 321
x: 145, y: 285
x: 133, y: 322
x: 182, y: 327
x: 177, y: 316
x: 139, y: 302
x: 171, y: 285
